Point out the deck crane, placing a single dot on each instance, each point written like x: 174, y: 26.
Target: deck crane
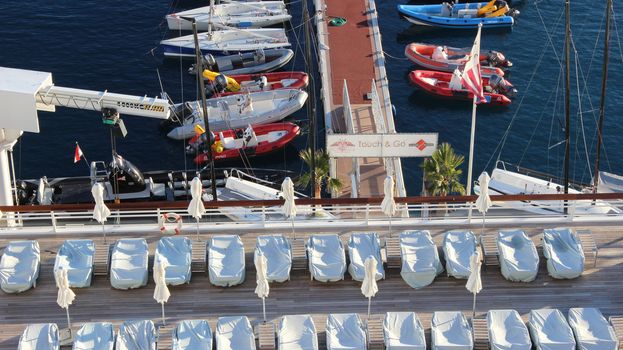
x: 25, y: 92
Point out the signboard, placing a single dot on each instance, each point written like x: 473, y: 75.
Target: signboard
x: 381, y: 145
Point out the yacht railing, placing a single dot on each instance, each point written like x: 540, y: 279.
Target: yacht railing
x: 322, y: 215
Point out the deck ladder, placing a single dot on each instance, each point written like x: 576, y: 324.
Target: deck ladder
x: 589, y: 247
x: 490, y: 249
x: 266, y: 336
x: 617, y: 324
x: 101, y: 259
x: 481, y: 334
x: 198, y: 256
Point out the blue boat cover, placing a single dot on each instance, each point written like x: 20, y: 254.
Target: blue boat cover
x: 176, y: 254
x: 234, y: 333
x: 76, y: 256
x: 39, y: 336
x: 95, y: 336
x: 136, y: 335
x: 19, y: 266
x: 297, y: 332
x: 345, y: 332
x: 128, y: 266
x: 226, y: 260
x: 327, y: 260
x: 361, y: 245
x: 192, y: 335
x: 277, y: 251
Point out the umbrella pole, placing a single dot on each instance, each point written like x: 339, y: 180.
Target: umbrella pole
x: 368, y: 319
x: 264, y: 308
x: 293, y: 232
x: 197, y: 230
x: 390, y: 226
x: 163, y: 321
x: 104, y: 231
x: 482, y: 232
x: 68, y: 321
x: 474, y: 309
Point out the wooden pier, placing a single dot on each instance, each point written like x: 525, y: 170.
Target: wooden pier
x: 353, y: 53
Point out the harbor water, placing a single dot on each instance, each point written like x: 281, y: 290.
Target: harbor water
x: 107, y: 45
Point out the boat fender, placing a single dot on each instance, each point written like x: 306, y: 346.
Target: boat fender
x: 170, y: 223
x: 218, y: 147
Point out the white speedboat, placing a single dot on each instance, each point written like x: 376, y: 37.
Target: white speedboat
x: 506, y: 182
x: 237, y: 111
x: 238, y: 188
x: 240, y: 14
x: 226, y: 42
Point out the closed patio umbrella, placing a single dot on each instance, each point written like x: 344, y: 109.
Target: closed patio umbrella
x: 289, y: 207
x: 65, y: 295
x: 483, y: 202
x: 100, y: 211
x: 262, y: 289
x: 474, y: 282
x: 161, y: 292
x: 388, y: 205
x: 369, y: 287
x: 196, y: 209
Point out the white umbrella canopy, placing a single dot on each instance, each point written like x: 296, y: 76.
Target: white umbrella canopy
x: 196, y: 209
x: 369, y: 287
x: 289, y: 207
x: 65, y: 295
x: 474, y: 282
x: 161, y: 292
x: 101, y: 211
x: 262, y: 289
x: 483, y: 202
x: 388, y: 205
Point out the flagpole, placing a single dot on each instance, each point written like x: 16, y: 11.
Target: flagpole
x: 471, y: 148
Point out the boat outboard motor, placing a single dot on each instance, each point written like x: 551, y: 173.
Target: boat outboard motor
x: 259, y: 56
x: 127, y: 173
x: 497, y: 59
x: 501, y: 85
x: 210, y: 62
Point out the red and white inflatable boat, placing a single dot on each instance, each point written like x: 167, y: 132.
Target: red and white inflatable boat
x: 253, y: 141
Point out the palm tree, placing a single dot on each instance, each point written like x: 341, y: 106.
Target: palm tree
x: 441, y: 172
x: 321, y: 174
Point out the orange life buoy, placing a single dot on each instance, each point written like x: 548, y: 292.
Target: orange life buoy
x: 170, y: 223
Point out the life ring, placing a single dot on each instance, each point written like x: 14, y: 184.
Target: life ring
x: 170, y: 223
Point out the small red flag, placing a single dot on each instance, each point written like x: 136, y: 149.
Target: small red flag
x: 77, y: 153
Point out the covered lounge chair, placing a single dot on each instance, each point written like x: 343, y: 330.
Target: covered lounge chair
x: 327, y: 260
x: 128, y: 265
x: 234, y: 333
x: 278, y: 253
x: 226, y: 260
x: 19, y: 266
x: 563, y: 252
x: 458, y: 248
x: 507, y: 331
x: 345, y: 332
x: 450, y: 331
x: 39, y: 336
x: 403, y: 331
x: 297, y: 332
x: 95, y: 336
x: 550, y: 330
x: 420, y: 259
x: 519, y: 259
x: 592, y: 330
x: 76, y: 256
x: 136, y: 335
x: 361, y: 245
x: 192, y: 335
x: 176, y: 254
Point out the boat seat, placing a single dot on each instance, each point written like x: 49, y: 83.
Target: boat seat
x: 467, y: 13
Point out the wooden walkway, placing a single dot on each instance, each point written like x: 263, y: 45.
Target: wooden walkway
x: 351, y: 58
x: 600, y: 287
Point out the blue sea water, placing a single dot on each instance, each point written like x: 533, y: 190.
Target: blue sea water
x: 106, y: 45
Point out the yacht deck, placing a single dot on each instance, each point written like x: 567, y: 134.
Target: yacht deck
x: 600, y: 287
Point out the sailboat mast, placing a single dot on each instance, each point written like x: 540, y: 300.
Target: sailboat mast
x: 204, y: 106
x: 567, y: 93
x: 602, y: 102
x: 311, y: 100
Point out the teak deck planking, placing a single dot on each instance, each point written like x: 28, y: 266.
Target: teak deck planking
x: 600, y: 287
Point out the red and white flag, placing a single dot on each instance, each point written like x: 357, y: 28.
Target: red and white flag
x: 471, y: 78
x: 77, y: 154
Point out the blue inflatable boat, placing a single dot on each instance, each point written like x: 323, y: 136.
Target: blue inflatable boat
x: 463, y: 15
